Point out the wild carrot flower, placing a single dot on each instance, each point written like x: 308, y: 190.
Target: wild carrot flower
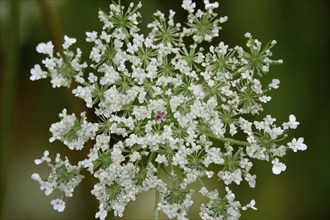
x: 168, y: 102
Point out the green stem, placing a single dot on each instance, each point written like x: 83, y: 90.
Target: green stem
x: 151, y: 157
x: 281, y: 139
x: 156, y: 212
x: 201, y: 181
x: 224, y: 139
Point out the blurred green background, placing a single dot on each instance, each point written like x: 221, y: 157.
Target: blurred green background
x: 28, y: 108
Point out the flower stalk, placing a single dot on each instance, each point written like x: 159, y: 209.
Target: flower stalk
x: 157, y: 195
x: 229, y: 140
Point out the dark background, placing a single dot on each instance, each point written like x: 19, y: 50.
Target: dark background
x: 28, y: 108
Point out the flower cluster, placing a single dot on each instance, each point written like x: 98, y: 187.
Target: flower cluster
x: 164, y: 107
x: 63, y: 176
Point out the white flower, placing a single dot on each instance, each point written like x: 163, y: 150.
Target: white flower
x: 68, y: 42
x: 72, y: 131
x: 188, y: 5
x: 223, y: 19
x: 45, y: 158
x: 229, y: 177
x: 251, y: 179
x: 296, y: 145
x: 157, y: 101
x: 278, y: 167
x: 91, y: 36
x: 85, y: 93
x: 213, y: 156
x: 292, y: 124
x: 177, y: 209
x: 36, y: 177
x: 274, y: 84
x: 101, y: 213
x: 220, y: 208
x: 37, y: 73
x: 46, y: 48
x: 210, y: 6
x: 58, y: 205
x: 161, y: 159
x: 135, y: 156
x: 247, y: 35
x: 265, y: 99
x: 250, y: 205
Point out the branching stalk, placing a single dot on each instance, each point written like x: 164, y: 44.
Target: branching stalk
x: 230, y: 140
x: 156, y: 212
